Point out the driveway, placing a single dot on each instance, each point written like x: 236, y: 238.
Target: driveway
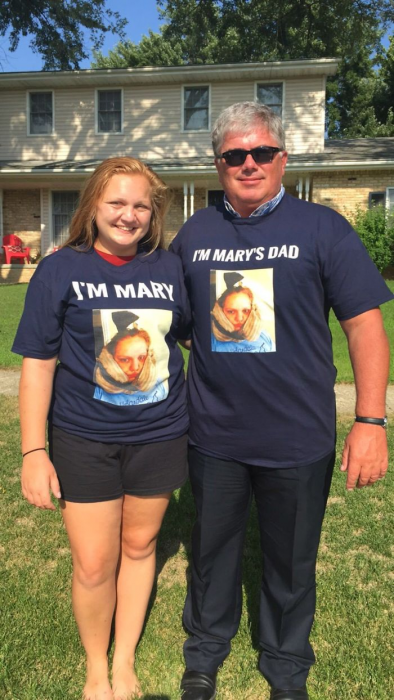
x: 345, y: 393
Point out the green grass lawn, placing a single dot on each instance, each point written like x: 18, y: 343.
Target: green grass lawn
x: 12, y: 298
x: 341, y: 356
x: 353, y: 636
x: 11, y: 306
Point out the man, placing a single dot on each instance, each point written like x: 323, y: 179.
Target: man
x: 263, y: 415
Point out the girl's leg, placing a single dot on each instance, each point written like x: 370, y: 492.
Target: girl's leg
x: 94, y: 533
x: 141, y: 522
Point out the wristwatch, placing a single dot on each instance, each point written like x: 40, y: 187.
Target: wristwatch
x: 374, y: 421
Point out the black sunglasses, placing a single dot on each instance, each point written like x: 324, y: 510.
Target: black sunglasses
x: 261, y: 154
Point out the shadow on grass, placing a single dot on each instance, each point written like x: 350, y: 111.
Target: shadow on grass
x: 252, y: 569
x: 176, y: 532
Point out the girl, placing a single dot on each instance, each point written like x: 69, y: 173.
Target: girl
x: 235, y: 320
x: 111, y: 293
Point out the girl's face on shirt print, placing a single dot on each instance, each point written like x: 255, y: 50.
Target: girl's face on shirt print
x: 130, y: 354
x: 237, y: 308
x: 123, y: 214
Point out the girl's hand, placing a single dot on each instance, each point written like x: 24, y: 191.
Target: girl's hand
x: 38, y: 479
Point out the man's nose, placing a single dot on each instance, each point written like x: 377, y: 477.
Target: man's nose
x: 249, y: 163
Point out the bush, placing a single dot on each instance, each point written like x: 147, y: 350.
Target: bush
x: 376, y: 231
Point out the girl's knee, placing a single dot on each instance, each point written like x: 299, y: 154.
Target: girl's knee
x: 138, y: 545
x: 93, y: 572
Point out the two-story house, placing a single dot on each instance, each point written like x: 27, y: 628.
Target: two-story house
x: 55, y: 127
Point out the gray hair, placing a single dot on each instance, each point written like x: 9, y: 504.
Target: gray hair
x: 243, y: 117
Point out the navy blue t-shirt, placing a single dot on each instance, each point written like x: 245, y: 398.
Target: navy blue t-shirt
x: 120, y: 376
x: 264, y: 393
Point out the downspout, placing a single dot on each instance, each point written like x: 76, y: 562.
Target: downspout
x: 307, y: 187
x: 191, y: 198
x: 185, y: 201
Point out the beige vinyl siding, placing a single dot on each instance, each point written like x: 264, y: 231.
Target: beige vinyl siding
x: 303, y: 109
x: 151, y: 122
x: 226, y: 94
x: 304, y: 115
x: 13, y: 124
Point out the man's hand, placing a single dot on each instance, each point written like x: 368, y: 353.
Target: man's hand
x: 364, y: 455
x: 38, y: 479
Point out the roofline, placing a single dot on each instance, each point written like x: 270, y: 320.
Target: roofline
x: 342, y: 165
x: 174, y: 69
x: 320, y: 66
x: 304, y: 166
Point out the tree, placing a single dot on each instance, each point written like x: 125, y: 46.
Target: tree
x: 384, y: 93
x: 209, y: 31
x: 153, y: 50
x: 377, y: 233
x: 57, y: 28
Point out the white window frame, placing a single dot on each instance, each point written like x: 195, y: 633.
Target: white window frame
x: 388, y: 190
x: 268, y: 83
x: 96, y: 110
x: 195, y: 85
x: 35, y: 92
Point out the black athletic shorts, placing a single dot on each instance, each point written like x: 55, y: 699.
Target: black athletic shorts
x: 90, y: 471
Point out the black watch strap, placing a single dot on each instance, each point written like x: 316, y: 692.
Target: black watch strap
x: 374, y: 421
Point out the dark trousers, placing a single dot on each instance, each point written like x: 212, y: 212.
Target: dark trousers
x: 291, y: 505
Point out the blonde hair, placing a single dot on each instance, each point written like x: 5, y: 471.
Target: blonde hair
x: 223, y: 329
x: 83, y: 229
x: 110, y: 376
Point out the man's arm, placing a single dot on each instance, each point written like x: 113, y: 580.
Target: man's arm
x: 365, y: 452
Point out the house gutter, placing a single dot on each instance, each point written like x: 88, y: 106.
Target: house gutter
x: 305, y: 166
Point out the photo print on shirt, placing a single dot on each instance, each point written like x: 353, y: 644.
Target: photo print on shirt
x: 131, y: 355
x: 242, y: 310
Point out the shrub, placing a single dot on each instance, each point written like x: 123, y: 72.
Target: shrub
x: 376, y: 231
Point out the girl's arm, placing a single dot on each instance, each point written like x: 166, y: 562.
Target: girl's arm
x: 35, y: 392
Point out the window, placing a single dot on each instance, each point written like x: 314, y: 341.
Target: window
x: 215, y: 197
x: 272, y: 96
x: 390, y: 199
x: 109, y: 111
x: 376, y: 199
x: 63, y: 206
x: 40, y: 112
x: 196, y: 108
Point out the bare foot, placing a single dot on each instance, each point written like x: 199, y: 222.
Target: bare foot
x: 125, y: 684
x: 97, y: 691
x: 97, y: 686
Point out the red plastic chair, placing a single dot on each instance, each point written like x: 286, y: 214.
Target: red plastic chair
x: 13, y: 248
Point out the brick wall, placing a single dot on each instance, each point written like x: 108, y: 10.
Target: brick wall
x: 347, y: 190
x: 22, y: 216
x: 174, y: 219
